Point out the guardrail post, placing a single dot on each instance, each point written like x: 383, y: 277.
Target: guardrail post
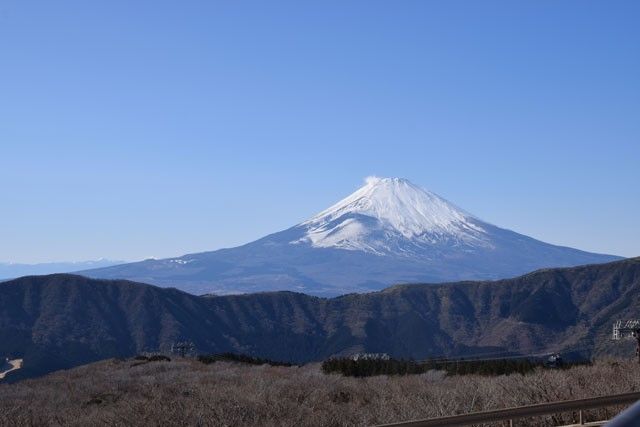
x: 580, y: 417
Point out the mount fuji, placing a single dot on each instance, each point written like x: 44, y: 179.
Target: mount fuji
x: 389, y: 231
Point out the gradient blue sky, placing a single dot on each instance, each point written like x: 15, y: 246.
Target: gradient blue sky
x: 131, y: 129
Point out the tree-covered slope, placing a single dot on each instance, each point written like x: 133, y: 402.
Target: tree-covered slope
x: 59, y: 321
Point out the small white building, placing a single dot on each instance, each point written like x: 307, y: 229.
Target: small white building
x: 370, y: 356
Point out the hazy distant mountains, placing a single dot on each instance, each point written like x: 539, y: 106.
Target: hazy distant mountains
x: 13, y: 270
x: 389, y: 231
x: 60, y: 321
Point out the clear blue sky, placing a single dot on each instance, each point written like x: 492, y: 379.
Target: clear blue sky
x: 131, y: 129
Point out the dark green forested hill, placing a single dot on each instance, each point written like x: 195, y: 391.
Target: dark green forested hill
x: 62, y: 320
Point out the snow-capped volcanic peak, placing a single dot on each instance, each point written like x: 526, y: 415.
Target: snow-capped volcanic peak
x: 387, y: 210
x: 397, y: 202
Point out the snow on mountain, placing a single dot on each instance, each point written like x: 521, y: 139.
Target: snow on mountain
x: 388, y: 210
x: 387, y: 232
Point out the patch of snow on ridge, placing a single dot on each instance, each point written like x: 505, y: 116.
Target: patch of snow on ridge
x: 180, y: 261
x: 389, y: 212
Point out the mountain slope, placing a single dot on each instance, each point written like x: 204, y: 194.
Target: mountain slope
x: 389, y: 231
x: 59, y: 321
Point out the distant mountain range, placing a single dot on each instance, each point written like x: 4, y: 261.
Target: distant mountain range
x: 10, y: 270
x: 60, y: 321
x: 389, y: 231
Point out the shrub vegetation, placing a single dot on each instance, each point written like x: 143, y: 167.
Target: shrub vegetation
x: 187, y: 392
x: 372, y: 367
x: 239, y: 358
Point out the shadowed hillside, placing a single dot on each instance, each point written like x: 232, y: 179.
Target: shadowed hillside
x: 60, y: 321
